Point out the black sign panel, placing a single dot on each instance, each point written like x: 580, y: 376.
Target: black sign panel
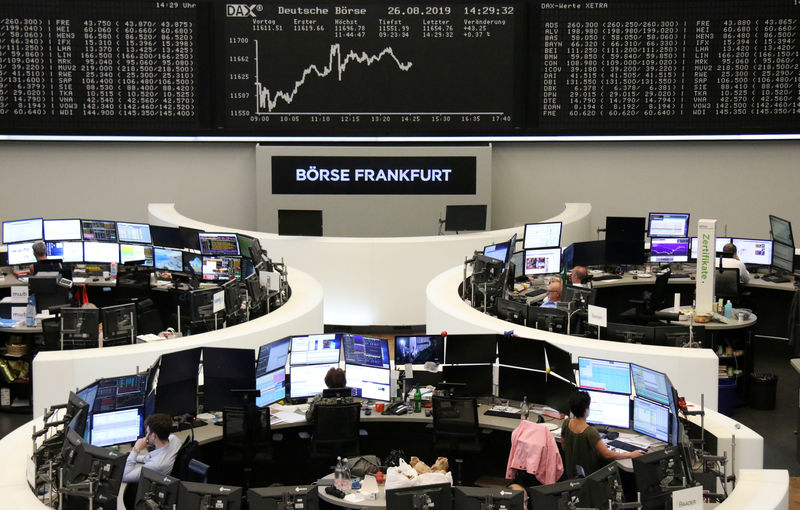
x: 345, y: 175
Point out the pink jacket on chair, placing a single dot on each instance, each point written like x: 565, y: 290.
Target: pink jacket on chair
x: 534, y: 450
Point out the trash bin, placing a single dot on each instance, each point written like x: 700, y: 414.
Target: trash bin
x: 762, y: 391
x: 727, y: 396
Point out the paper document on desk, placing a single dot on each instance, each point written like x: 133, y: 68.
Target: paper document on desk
x: 14, y: 300
x: 637, y: 440
x: 8, y: 323
x: 288, y: 417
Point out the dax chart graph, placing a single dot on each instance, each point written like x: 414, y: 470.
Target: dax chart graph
x: 372, y: 68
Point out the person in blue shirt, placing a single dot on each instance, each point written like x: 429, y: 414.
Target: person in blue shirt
x: 553, y: 294
x: 156, y: 450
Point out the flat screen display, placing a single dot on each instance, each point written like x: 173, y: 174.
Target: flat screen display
x: 604, y: 375
x: 116, y: 427
x: 650, y: 384
x: 518, y: 259
x: 99, y: 230
x: 218, y: 243
x: 781, y: 230
x: 365, y: 351
x: 315, y: 349
x: 67, y: 251
x: 20, y: 253
x: 101, y: 252
x: 418, y: 350
x: 782, y: 256
x: 718, y: 246
x: 136, y: 252
x: 669, y: 249
x: 470, y: 349
x: 370, y: 382
x: 272, y: 386
x: 308, y: 380
x: 668, y: 225
x: 133, y: 233
x: 609, y: 409
x: 651, y: 419
x: 754, y: 251
x: 62, y: 230
x: 167, y: 260
x: 221, y: 268
x: 192, y: 261
x: 542, y: 235
x: 497, y: 251
x: 167, y: 237
x: 272, y: 356
x: 22, y: 230
x: 542, y: 261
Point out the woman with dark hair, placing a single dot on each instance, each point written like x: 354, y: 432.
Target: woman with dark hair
x: 581, y: 442
x: 335, y: 378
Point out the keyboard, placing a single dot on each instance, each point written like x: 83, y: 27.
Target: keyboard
x: 195, y: 424
x: 680, y: 275
x: 502, y: 414
x: 535, y: 292
x: 606, y: 277
x: 622, y: 445
x: 773, y: 278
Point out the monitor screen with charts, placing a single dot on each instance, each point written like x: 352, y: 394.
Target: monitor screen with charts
x: 371, y: 383
x: 165, y: 259
x: 272, y: 356
x: 315, y: 349
x: 20, y: 253
x: 650, y: 384
x: 668, y: 225
x: 62, y: 230
x: 272, y: 386
x: 781, y: 230
x: 309, y: 380
x: 101, y: 252
x: 497, y: 251
x: 22, y: 230
x: 604, y: 375
x: 218, y: 243
x: 669, y: 249
x: 66, y: 251
x: 221, y: 268
x: 754, y: 251
x: 609, y: 409
x: 133, y: 233
x: 719, y: 245
x: 99, y: 230
x: 542, y: 261
x: 518, y: 259
x: 116, y: 427
x: 365, y: 351
x: 141, y: 253
x: 651, y: 419
x: 542, y: 235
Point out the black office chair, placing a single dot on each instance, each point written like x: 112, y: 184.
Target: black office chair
x: 335, y: 432
x: 455, y: 429
x: 51, y: 334
x: 49, y: 294
x: 188, y: 466
x: 148, y: 317
x: 726, y: 284
x: 646, y: 310
x: 133, y: 283
x: 246, y: 445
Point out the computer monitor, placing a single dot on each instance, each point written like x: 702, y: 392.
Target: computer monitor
x: 141, y: 253
x: 192, y: 263
x: 218, y: 243
x: 300, y: 222
x: 582, y: 297
x: 669, y: 249
x: 660, y: 473
x: 62, y: 230
x: 780, y: 229
x: 20, y: 254
x: 301, y: 497
x: 366, y: 351
x: 439, y: 495
x: 371, y: 383
x: 156, y: 491
x: 221, y: 268
x: 521, y: 352
x: 190, y: 237
x: 418, y: 350
x: 226, y: 369
x: 119, y: 323
x: 650, y: 384
x: 22, y: 230
x: 668, y: 225
x: 476, y: 378
x: 99, y: 230
x: 176, y: 384
x: 461, y: 349
x: 783, y: 256
x: 87, y: 394
x: 246, y: 243
x: 588, y: 253
x: 625, y: 228
x: 518, y: 259
x: 78, y: 421
x: 512, y: 311
x: 651, y: 419
x: 105, y: 467
x: 122, y: 392
x: 558, y: 496
x: 624, y: 252
x: 609, y: 409
x: 559, y: 361
x: 694, y: 250
x: 497, y: 251
x: 630, y: 333
x: 308, y: 380
x: 167, y: 237
x: 542, y: 235
x: 465, y: 217
x: 559, y: 393
x: 754, y: 251
x: 518, y: 383
x: 192, y: 496
x: 133, y: 233
x: 66, y: 251
x: 542, y: 261
x: 165, y: 259
x: 273, y: 356
x: 116, y: 427
x: 105, y: 253
x: 272, y: 387
x: 548, y: 319
x: 480, y: 498
x: 604, y: 375
x: 80, y: 325
x: 604, y: 486
x: 315, y: 349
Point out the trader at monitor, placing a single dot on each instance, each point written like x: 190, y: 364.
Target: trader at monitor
x: 156, y: 450
x: 731, y: 260
x: 553, y: 294
x: 335, y: 378
x: 579, y: 276
x: 42, y: 264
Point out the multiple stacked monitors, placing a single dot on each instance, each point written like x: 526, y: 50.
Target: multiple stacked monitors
x: 418, y: 350
x: 367, y: 366
x: 22, y: 230
x: 783, y: 244
x: 62, y: 230
x: 668, y: 225
x: 542, y: 235
x: 542, y: 261
x: 311, y: 358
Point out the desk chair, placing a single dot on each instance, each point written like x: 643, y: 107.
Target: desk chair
x: 246, y: 444
x: 335, y: 432
x: 49, y: 294
x: 187, y: 465
x: 148, y: 317
x: 726, y: 284
x: 455, y: 428
x: 646, y: 309
x: 133, y: 283
x: 79, y: 327
x: 51, y: 334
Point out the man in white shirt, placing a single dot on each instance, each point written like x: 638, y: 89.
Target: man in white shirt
x: 156, y: 450
x: 731, y: 260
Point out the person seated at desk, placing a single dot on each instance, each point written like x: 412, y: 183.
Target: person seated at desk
x: 579, y: 277
x: 731, y: 260
x: 335, y: 378
x: 156, y: 450
x: 42, y: 264
x: 581, y: 442
x: 553, y: 294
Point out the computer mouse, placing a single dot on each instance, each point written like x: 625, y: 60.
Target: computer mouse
x: 218, y: 423
x: 428, y: 413
x: 611, y: 435
x: 367, y: 412
x: 636, y: 277
x: 95, y: 279
x: 756, y: 275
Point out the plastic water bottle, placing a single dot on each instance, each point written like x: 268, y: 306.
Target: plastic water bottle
x: 347, y: 480
x: 524, y: 409
x: 728, y: 309
x: 30, y: 312
x: 338, y: 474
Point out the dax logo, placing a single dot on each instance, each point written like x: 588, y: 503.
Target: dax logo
x: 242, y: 10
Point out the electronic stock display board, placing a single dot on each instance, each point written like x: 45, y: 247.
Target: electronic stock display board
x: 373, y: 69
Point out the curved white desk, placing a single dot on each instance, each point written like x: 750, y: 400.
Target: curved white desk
x: 379, y: 280
x: 57, y: 372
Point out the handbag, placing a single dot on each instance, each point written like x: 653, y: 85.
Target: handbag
x: 364, y: 465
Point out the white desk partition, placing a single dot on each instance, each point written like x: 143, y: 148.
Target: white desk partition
x: 379, y: 280
x: 58, y: 372
x: 692, y: 371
